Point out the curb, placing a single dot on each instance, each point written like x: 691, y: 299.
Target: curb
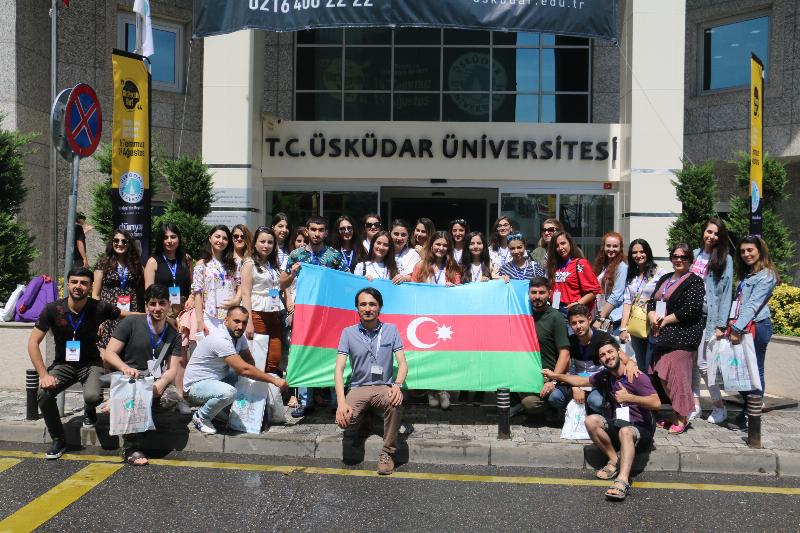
x: 572, y: 455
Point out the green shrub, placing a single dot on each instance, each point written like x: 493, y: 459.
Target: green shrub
x: 785, y: 307
x: 194, y: 231
x: 696, y: 188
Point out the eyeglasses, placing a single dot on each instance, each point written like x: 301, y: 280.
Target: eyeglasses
x: 120, y: 241
x: 679, y: 257
x: 372, y: 225
x: 550, y: 229
x: 504, y: 225
x: 238, y: 237
x: 346, y: 229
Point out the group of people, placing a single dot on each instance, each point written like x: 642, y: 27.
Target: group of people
x: 244, y: 284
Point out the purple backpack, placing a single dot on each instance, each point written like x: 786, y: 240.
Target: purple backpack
x: 39, y: 292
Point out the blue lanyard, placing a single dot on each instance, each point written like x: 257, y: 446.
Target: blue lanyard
x: 667, y: 285
x: 368, y: 339
x: 122, y: 274
x: 172, y: 270
x: 437, y: 277
x: 153, y: 342
x: 71, y: 323
x: 378, y: 275
x: 346, y: 258
x: 503, y: 256
x: 476, y: 274
x: 564, y: 269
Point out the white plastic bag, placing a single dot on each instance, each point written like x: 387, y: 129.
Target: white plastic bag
x: 737, y: 364
x: 7, y: 313
x: 253, y: 398
x: 575, y: 422
x: 131, y: 405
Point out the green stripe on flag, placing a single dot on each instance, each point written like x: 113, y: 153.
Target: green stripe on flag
x: 310, y: 366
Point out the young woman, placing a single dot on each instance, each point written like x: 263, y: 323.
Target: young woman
x: 612, y: 273
x: 498, y: 251
x: 281, y: 229
x: 405, y: 256
x: 372, y: 224
x: 242, y: 243
x: 571, y: 274
x: 476, y: 265
x: 215, y: 281
x: 458, y: 230
x: 751, y: 315
x: 261, y: 295
x: 118, y: 279
x: 640, y: 283
x: 549, y: 228
x: 675, y: 313
x: 423, y: 231
x: 380, y: 262
x: 171, y: 267
x: 520, y: 267
x: 344, y: 239
x: 714, y: 264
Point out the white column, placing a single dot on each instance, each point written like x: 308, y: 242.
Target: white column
x: 233, y: 77
x: 651, y: 114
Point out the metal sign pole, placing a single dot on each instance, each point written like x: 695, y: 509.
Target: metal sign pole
x: 71, y: 219
x: 53, y: 196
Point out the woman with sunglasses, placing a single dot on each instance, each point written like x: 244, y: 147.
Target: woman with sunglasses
x: 215, y: 281
x: 643, y: 274
x: 476, y: 265
x: 612, y: 272
x: 242, y: 243
x: 281, y: 229
x: 423, y: 230
x: 549, y: 228
x: 714, y: 264
x: 676, y: 320
x: 380, y: 262
x: 458, y: 230
x: 750, y: 314
x: 405, y: 256
x: 498, y: 251
x: 520, y: 267
x: 118, y: 279
x: 344, y: 239
x: 372, y: 225
x: 571, y: 274
x: 261, y: 295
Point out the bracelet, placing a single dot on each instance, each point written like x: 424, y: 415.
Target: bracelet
x: 623, y: 329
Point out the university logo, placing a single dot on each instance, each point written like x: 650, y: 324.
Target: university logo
x: 470, y: 73
x: 131, y: 187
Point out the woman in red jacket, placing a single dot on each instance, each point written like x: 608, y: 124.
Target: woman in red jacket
x: 573, y: 279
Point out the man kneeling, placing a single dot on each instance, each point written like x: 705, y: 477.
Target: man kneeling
x: 370, y: 345
x: 632, y: 424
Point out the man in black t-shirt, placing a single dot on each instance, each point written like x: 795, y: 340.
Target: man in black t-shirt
x: 73, y: 321
x: 134, y: 348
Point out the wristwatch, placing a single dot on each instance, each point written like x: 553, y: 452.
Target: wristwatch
x: 398, y: 384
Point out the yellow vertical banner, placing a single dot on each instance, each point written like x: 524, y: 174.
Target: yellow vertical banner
x: 756, y: 143
x: 130, y: 138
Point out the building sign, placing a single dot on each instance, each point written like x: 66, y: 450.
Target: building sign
x: 437, y: 150
x: 756, y: 152
x: 586, y: 18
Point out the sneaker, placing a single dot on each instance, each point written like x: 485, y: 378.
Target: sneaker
x: 739, y: 423
x: 56, y: 450
x: 718, y: 415
x: 299, y: 412
x: 202, y: 425
x: 385, y: 464
x: 90, y: 420
x: 183, y: 407
x: 515, y: 410
x: 696, y: 413
x: 444, y: 400
x: 433, y: 399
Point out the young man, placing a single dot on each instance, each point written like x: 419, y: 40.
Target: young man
x: 315, y: 253
x: 632, y: 424
x: 370, y: 345
x: 74, y: 321
x: 551, y: 330
x: 210, y: 378
x: 136, y: 345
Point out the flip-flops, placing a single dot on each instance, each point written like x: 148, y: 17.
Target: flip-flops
x: 677, y: 429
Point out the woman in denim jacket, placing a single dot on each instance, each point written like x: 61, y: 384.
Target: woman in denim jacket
x: 757, y: 279
x: 714, y: 264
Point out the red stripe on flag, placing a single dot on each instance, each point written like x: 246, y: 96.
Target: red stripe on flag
x: 322, y: 327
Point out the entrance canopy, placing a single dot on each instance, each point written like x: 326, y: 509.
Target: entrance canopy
x: 584, y: 18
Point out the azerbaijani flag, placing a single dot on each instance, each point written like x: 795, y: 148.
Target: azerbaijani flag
x: 478, y: 336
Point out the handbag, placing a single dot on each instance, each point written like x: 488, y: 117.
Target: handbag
x: 638, y: 326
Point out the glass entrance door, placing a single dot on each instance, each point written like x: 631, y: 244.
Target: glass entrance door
x: 476, y: 206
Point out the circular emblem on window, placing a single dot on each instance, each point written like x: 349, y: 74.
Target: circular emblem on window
x: 469, y: 72
x: 131, y: 188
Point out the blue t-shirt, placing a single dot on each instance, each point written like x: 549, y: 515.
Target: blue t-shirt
x: 367, y: 349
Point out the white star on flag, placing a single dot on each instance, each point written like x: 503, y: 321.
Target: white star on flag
x: 444, y: 333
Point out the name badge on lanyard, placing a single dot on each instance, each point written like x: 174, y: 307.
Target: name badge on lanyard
x: 174, y: 295
x: 174, y: 291
x: 73, y: 351
x: 124, y: 303
x: 661, y: 308
x: 735, y: 309
x: 556, y: 299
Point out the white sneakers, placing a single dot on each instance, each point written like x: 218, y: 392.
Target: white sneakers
x: 439, y: 399
x: 202, y: 425
x: 718, y: 415
x: 696, y: 413
x: 433, y: 399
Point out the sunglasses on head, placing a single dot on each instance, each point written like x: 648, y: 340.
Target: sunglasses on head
x: 120, y: 241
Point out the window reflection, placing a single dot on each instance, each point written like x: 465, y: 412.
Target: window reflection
x: 727, y: 49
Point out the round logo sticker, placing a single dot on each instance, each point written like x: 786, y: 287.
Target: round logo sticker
x: 131, y: 188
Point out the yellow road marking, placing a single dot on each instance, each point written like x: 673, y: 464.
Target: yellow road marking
x: 428, y: 476
x: 5, y: 464
x: 58, y: 498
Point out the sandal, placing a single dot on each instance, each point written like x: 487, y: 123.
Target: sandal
x: 663, y: 424
x: 618, y: 490
x: 609, y: 471
x: 677, y: 429
x: 136, y: 458
x: 292, y: 403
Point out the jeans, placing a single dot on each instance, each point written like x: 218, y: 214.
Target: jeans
x: 214, y: 395
x: 561, y: 396
x: 643, y: 351
x: 763, y: 335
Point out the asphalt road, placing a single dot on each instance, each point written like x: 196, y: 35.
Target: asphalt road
x: 209, y: 492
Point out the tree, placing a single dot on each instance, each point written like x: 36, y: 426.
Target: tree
x: 16, y: 243
x: 696, y: 188
x: 775, y: 231
x: 101, y: 209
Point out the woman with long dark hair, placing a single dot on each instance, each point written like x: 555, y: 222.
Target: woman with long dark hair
x: 437, y: 265
x: 405, y: 255
x: 714, y: 264
x: 282, y: 229
x: 171, y: 267
x: 345, y: 239
x: 380, y: 262
x: 215, y: 281
x: 458, y: 229
x: 475, y: 264
x: 119, y: 279
x: 640, y: 283
x: 498, y: 249
x: 571, y: 274
x: 676, y: 318
x: 423, y: 231
x: 757, y: 277
x: 612, y: 272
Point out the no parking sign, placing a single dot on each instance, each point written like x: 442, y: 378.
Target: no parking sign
x: 83, y: 120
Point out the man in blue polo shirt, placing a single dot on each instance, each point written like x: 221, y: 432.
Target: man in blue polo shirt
x: 370, y: 345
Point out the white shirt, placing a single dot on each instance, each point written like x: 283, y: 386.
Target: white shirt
x: 407, y: 260
x: 373, y: 269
